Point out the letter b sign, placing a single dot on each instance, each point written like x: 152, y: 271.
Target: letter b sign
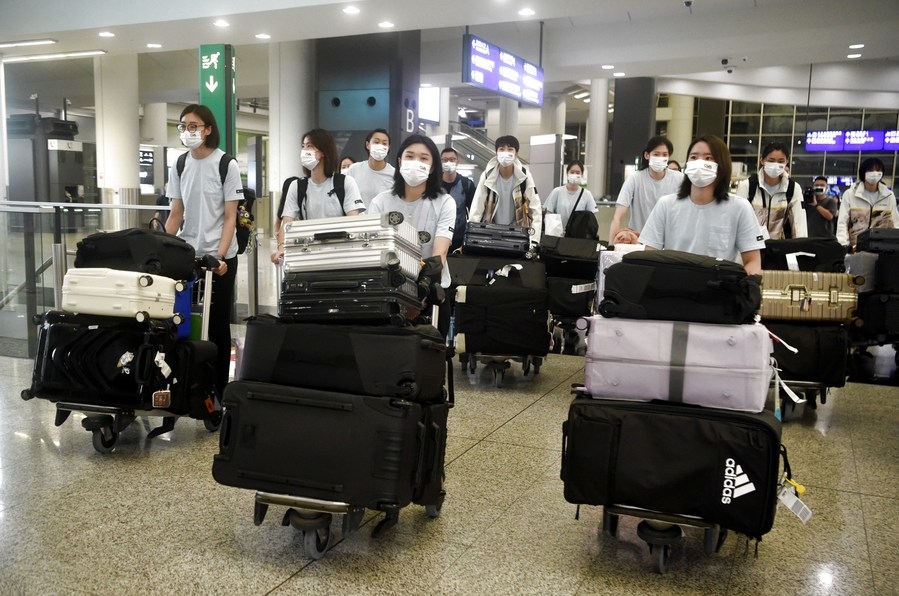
x: 410, y: 120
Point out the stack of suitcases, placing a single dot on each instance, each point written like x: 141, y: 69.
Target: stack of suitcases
x: 341, y: 403
x: 809, y: 303
x: 118, y: 347
x: 876, y: 264
x: 499, y: 300
x: 672, y: 423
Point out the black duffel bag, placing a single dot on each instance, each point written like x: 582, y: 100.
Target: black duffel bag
x: 138, y: 249
x: 810, y: 254
x: 670, y: 285
x: 822, y: 356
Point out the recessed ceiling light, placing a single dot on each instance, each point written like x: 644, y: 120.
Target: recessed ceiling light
x: 222, y: 23
x: 581, y: 95
x: 526, y: 12
x: 617, y: 74
x: 351, y: 10
x: 385, y: 25
x: 853, y: 55
x: 856, y: 46
x: 425, y: 85
x: 107, y: 34
x: 154, y: 45
x: 586, y: 100
x: 27, y: 42
x: 608, y: 67
x: 263, y: 36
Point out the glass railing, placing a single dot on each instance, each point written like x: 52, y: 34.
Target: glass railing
x: 39, y: 245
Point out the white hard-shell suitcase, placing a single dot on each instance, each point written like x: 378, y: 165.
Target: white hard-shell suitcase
x: 112, y: 292
x: 378, y: 240
x: 719, y: 366
x: 607, y: 258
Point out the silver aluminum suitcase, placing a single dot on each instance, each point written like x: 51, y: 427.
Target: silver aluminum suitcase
x: 719, y: 366
x: 112, y: 292
x: 379, y: 240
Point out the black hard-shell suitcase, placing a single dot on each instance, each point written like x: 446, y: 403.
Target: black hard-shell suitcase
x: 879, y: 272
x: 365, y: 451
x: 804, y: 254
x: 495, y: 239
x: 407, y: 362
x: 822, y: 357
x: 878, y: 240
x: 570, y: 257
x: 502, y: 319
x: 570, y: 297
x: 472, y: 270
x: 137, y: 249
x: 670, y: 285
x: 878, y: 314
x: 720, y: 466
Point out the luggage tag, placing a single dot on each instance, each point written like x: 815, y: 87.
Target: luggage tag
x: 793, y: 259
x: 504, y: 271
x: 124, y: 361
x: 162, y: 398
x: 788, y: 496
x: 160, y: 362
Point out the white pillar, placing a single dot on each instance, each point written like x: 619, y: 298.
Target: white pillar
x: 154, y: 131
x: 680, y: 127
x: 291, y: 68
x: 552, y: 115
x: 4, y: 162
x: 443, y: 127
x: 598, y: 138
x: 508, y: 117
x: 118, y: 135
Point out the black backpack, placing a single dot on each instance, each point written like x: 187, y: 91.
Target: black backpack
x: 582, y: 224
x: 245, y: 218
x: 302, y: 185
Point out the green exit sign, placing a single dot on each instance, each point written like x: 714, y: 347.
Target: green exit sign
x: 217, y: 90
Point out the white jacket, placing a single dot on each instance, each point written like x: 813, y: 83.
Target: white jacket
x: 858, y: 214
x: 773, y: 211
x: 487, y: 185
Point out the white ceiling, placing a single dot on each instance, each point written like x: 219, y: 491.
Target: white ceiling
x: 771, y: 44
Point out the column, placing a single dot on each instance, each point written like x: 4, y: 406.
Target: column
x: 154, y: 131
x: 552, y: 115
x: 118, y: 137
x: 508, y: 117
x: 635, y: 118
x: 597, y: 144
x: 680, y: 127
x: 443, y: 127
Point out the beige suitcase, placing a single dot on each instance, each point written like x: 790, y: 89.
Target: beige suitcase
x: 808, y: 296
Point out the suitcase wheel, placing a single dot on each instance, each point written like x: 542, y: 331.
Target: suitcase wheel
x: 142, y: 316
x: 408, y: 389
x: 145, y: 281
x: 180, y: 286
x: 104, y: 439
x: 26, y: 394
x: 316, y: 529
x: 433, y: 510
x: 177, y: 319
x: 395, y: 218
x: 609, y: 523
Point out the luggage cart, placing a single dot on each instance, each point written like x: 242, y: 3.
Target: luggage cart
x: 661, y: 536
x: 812, y: 393
x: 499, y: 364
x: 106, y: 422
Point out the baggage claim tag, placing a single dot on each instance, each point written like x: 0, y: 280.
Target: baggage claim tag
x: 788, y: 497
x: 162, y: 398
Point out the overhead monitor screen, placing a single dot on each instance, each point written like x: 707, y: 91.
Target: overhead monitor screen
x: 490, y: 67
x: 852, y: 140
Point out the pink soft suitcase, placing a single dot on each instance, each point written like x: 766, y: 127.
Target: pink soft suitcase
x: 719, y: 366
x: 112, y: 292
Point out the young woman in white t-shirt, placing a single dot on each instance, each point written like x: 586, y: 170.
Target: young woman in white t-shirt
x: 563, y: 199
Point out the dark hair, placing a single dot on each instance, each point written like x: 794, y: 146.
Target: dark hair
x: 675, y: 162
x: 433, y: 187
x: 322, y: 140
x: 449, y: 150
x: 652, y: 144
x: 508, y: 141
x: 372, y: 133
x: 205, y: 114
x: 343, y: 157
x: 574, y: 162
x: 775, y: 146
x: 872, y: 163
x: 824, y: 178
x: 721, y: 155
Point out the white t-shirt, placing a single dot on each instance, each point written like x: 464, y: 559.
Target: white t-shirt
x: 505, y: 203
x: 722, y: 229
x: 561, y: 201
x: 369, y: 181
x: 640, y: 193
x: 431, y: 217
x: 200, y: 189
x: 321, y: 200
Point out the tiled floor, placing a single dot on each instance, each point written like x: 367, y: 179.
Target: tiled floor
x: 149, y: 519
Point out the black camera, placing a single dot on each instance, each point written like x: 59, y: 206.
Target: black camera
x: 808, y: 195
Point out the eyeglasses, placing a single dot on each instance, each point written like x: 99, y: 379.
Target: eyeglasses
x: 192, y: 127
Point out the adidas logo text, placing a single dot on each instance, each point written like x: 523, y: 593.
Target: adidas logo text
x: 736, y: 483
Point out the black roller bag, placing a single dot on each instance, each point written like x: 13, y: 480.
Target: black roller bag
x: 878, y: 314
x: 467, y: 270
x: 367, y: 451
x: 810, y: 254
x: 577, y: 258
x: 721, y: 466
x: 570, y: 297
x: 407, y: 362
x: 348, y: 296
x: 495, y: 239
x: 670, y: 285
x: 137, y: 249
x: 822, y: 357
x: 878, y: 240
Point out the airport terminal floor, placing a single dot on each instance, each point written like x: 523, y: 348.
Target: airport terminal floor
x: 148, y: 518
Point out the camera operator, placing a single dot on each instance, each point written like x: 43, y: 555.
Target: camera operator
x: 820, y: 209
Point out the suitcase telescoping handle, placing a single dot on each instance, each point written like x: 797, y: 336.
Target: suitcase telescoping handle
x: 430, y: 344
x: 326, y: 236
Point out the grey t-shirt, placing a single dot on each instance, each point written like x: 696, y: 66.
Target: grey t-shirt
x: 722, y: 229
x: 433, y: 217
x: 371, y: 182
x: 321, y: 200
x: 640, y: 193
x: 505, y: 204
x: 562, y: 201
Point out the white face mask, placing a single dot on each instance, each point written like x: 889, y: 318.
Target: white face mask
x: 701, y: 172
x: 378, y: 152
x: 414, y: 172
x: 449, y: 167
x: 574, y: 178
x: 505, y: 158
x: 873, y: 177
x: 344, y: 170
x: 658, y: 164
x: 774, y: 169
x: 307, y: 158
x: 191, y: 140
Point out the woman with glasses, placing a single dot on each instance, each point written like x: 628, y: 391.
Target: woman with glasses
x: 204, y: 213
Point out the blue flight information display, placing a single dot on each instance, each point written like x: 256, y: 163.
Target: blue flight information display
x: 852, y: 140
x: 490, y: 67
